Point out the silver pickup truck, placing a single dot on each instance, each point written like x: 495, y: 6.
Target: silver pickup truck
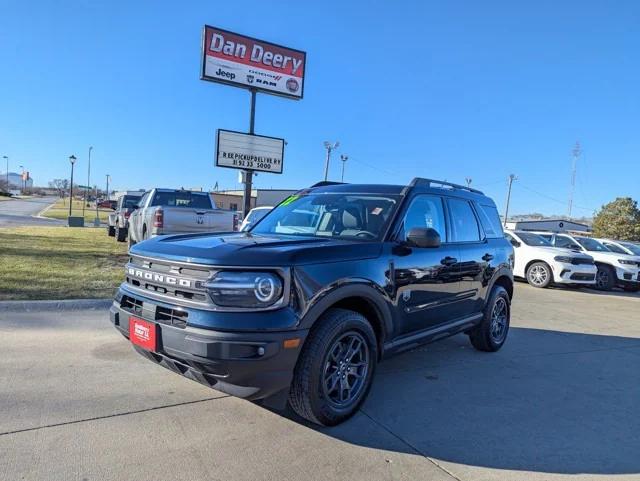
x: 173, y: 211
x: 118, y: 220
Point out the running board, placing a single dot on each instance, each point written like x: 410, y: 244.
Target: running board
x: 432, y: 334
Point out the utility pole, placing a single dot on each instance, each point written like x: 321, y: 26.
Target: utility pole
x: 344, y: 159
x: 576, y: 154
x: 512, y: 177
x: 329, y: 147
x: 87, y: 187
x: 468, y: 180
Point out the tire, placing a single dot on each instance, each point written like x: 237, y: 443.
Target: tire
x: 632, y: 288
x: 111, y: 231
x: 605, y: 278
x: 491, y: 334
x: 539, y: 274
x: 327, y: 350
x: 121, y: 234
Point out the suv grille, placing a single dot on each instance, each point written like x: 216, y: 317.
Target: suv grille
x: 171, y: 281
x: 582, y: 277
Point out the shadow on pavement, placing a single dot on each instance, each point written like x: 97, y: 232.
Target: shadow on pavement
x: 549, y: 402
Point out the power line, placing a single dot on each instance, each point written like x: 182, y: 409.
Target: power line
x: 553, y: 198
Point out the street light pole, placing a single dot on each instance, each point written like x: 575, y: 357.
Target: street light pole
x: 87, y: 187
x: 107, y: 195
x: 21, y: 167
x: 344, y: 159
x: 512, y: 177
x: 7, y: 159
x: 72, y: 159
x: 329, y: 147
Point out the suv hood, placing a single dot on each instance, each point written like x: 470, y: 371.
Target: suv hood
x: 244, y: 249
x: 560, y: 251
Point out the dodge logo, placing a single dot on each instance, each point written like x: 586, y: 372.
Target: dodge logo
x: 161, y: 278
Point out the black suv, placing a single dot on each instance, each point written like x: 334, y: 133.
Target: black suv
x: 335, y: 278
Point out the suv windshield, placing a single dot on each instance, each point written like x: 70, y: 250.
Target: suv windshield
x: 591, y: 244
x: 533, y: 239
x: 361, y: 216
x: 185, y: 198
x: 632, y: 247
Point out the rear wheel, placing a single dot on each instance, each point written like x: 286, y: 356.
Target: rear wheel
x: 334, y: 372
x: 130, y: 241
x: 111, y: 231
x: 605, y: 278
x: 491, y: 333
x: 539, y: 274
x: 121, y: 234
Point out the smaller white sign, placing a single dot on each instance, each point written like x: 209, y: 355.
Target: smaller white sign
x: 237, y: 150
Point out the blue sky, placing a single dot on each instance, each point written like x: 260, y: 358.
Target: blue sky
x: 435, y: 89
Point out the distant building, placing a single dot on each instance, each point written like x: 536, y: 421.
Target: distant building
x: 553, y: 225
x: 15, y: 180
x: 232, y: 199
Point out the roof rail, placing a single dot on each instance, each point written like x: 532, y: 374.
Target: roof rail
x: 326, y: 182
x: 419, y: 181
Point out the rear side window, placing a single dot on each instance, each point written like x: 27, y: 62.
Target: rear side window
x: 614, y: 248
x: 490, y: 221
x: 425, y: 211
x: 464, y: 226
x: 566, y: 242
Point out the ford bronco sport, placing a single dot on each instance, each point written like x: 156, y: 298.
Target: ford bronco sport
x: 334, y: 279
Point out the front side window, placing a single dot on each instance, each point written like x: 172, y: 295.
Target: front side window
x: 335, y: 215
x: 424, y: 211
x: 635, y: 248
x: 464, y: 225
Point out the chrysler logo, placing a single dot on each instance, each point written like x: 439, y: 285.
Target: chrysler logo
x: 161, y: 278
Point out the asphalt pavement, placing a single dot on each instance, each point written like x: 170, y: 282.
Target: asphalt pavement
x: 22, y: 212
x: 559, y: 401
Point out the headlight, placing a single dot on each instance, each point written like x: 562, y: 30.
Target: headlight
x: 625, y: 261
x: 565, y: 259
x: 245, y: 289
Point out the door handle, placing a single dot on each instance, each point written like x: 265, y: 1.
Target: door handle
x: 487, y: 257
x: 448, y: 261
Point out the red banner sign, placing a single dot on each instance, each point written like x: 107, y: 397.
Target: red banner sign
x: 246, y: 62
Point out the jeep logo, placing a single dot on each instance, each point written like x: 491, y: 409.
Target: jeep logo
x: 222, y: 73
x: 161, y: 278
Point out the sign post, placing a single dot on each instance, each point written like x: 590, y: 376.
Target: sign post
x: 257, y: 65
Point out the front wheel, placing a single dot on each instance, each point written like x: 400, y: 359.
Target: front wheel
x: 605, y: 278
x: 539, y: 274
x: 130, y: 241
x: 111, y: 231
x: 334, y: 372
x: 121, y: 234
x: 491, y: 334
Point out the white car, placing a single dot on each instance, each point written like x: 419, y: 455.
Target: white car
x: 541, y: 264
x: 621, y: 247
x: 614, y: 269
x: 254, y: 215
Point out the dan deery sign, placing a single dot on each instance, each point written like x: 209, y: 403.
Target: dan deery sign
x: 236, y: 150
x: 246, y: 62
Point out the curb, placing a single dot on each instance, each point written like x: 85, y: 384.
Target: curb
x: 56, y: 305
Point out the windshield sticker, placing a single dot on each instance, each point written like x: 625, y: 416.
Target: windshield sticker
x: 289, y: 199
x: 376, y: 211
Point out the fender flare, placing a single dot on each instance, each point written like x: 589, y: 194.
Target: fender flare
x: 502, y: 271
x: 375, y: 296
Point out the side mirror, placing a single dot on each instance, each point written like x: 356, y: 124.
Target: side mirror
x: 515, y: 243
x: 423, y: 237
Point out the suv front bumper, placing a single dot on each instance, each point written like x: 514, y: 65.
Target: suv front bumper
x: 251, y: 365
x: 565, y: 273
x: 628, y: 276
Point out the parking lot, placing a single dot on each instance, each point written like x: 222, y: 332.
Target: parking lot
x: 561, y: 398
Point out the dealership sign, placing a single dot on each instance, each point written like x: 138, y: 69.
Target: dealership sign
x: 243, y: 61
x: 236, y: 150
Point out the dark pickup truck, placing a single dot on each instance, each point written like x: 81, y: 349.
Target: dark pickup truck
x: 326, y: 285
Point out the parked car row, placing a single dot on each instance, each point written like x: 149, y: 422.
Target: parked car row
x: 543, y: 258
x: 140, y: 216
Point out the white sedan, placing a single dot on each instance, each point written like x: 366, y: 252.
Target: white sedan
x: 541, y: 264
